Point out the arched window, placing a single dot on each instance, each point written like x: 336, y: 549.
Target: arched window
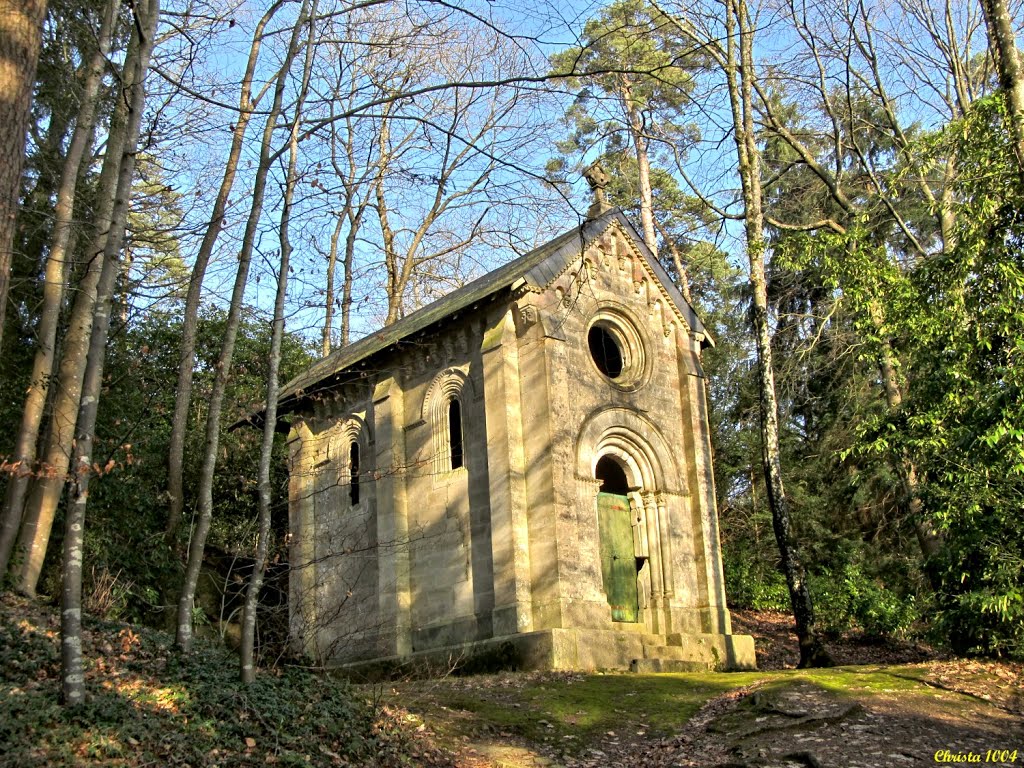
x: 444, y: 408
x: 353, y: 469
x: 455, y: 446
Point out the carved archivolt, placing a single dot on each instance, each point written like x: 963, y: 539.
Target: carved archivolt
x: 352, y: 430
x: 450, y: 384
x: 636, y: 442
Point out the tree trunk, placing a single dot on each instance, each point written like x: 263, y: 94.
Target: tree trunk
x: 190, y: 322
x: 252, y: 594
x: 53, y: 292
x: 351, y: 179
x: 643, y: 165
x: 73, y: 684
x: 740, y: 74
x: 682, y: 275
x: 928, y: 537
x: 395, y: 288
x: 73, y: 687
x: 332, y: 261
x: 81, y: 471
x: 216, y: 402
x: 1003, y: 47
x: 115, y: 188
x: 21, y: 23
x: 345, y: 332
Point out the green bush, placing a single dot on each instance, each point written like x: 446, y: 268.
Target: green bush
x: 850, y: 599
x: 754, y: 582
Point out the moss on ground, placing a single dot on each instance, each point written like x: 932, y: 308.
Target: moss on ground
x: 569, y: 709
x: 571, y: 713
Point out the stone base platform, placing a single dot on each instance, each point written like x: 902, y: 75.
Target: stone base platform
x: 585, y: 650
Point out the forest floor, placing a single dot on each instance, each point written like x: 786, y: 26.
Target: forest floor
x: 891, y: 704
x: 895, y: 704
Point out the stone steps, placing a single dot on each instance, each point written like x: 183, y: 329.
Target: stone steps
x: 675, y: 653
x: 650, y: 666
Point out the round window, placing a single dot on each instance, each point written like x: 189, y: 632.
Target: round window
x: 617, y: 350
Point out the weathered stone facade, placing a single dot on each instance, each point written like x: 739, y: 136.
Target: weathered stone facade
x: 446, y: 472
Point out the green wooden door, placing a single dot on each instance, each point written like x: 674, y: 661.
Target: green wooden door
x: 618, y: 563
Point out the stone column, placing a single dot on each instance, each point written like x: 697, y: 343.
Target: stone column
x: 701, y: 482
x: 393, y: 587
x: 660, y: 558
x: 658, y: 505
x: 301, y: 544
x: 506, y: 464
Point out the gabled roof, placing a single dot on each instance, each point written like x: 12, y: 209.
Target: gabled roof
x: 536, y: 269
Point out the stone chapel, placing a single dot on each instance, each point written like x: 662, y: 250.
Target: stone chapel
x: 520, y: 470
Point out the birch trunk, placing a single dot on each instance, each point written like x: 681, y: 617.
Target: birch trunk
x: 740, y: 74
x: 190, y: 322
x: 252, y: 593
x: 212, y: 438
x: 53, y: 291
x: 73, y: 683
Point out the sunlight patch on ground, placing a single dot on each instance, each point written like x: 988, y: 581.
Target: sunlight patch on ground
x: 29, y: 628
x: 168, y: 700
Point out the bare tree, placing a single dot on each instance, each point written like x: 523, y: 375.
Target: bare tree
x: 356, y: 195
x: 730, y: 45
x: 216, y: 400
x: 247, y: 104
x: 740, y: 76
x: 252, y: 593
x: 436, y: 167
x: 73, y: 684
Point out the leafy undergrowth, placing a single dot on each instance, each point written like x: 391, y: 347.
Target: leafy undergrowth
x: 149, y: 706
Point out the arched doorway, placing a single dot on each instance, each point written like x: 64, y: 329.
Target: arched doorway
x: 619, y: 565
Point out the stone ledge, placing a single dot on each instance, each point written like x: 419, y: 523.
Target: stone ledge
x: 586, y: 650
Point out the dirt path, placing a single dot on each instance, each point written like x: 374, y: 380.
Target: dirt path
x: 810, y: 721
x: 896, y: 711
x: 854, y: 717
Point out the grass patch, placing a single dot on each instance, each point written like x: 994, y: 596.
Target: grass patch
x: 853, y: 681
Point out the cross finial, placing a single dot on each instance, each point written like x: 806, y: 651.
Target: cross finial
x: 598, y: 180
